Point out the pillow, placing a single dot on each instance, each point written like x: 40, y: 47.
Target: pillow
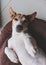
x: 6, y: 32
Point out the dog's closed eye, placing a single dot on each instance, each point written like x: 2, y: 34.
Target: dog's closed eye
x: 16, y: 19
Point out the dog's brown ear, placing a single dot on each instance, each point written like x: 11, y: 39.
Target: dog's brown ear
x: 32, y: 16
x: 12, y: 13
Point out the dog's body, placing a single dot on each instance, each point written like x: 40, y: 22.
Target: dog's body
x: 19, y: 47
x: 20, y: 43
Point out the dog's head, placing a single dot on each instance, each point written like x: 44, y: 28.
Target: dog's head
x: 20, y: 22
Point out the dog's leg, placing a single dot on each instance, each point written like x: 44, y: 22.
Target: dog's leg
x: 10, y: 52
x: 29, y: 47
x: 11, y: 55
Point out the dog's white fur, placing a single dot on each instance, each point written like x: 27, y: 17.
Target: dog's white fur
x: 25, y: 52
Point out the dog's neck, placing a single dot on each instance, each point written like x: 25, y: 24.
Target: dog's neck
x: 14, y: 31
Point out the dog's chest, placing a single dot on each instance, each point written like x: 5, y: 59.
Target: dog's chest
x: 17, y: 42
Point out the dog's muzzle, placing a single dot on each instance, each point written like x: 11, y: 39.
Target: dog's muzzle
x: 19, y: 28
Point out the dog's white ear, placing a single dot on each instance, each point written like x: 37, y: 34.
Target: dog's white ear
x: 12, y: 13
x: 32, y: 16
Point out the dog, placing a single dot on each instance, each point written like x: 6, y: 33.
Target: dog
x: 21, y: 46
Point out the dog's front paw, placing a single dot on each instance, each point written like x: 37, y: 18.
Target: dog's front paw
x: 32, y: 52
x: 11, y: 55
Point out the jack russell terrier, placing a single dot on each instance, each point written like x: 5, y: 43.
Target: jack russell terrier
x: 20, y: 45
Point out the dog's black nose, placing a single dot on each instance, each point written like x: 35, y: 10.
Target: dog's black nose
x: 19, y: 28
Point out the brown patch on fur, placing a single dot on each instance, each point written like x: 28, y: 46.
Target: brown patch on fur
x: 32, y: 16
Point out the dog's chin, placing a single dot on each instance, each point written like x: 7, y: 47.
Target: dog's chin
x: 19, y: 31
